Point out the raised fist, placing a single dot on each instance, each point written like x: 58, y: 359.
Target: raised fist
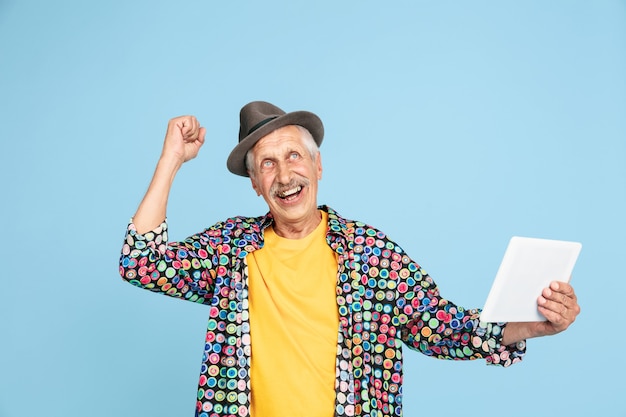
x: 183, y: 139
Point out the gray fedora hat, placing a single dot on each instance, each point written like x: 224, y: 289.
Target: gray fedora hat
x: 258, y: 119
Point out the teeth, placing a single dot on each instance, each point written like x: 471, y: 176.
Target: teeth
x: 289, y: 192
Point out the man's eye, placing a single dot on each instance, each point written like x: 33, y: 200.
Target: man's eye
x: 294, y: 155
x: 267, y: 164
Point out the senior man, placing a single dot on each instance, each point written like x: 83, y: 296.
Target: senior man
x: 307, y: 309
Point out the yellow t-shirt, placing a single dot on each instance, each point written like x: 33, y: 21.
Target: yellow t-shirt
x: 293, y: 325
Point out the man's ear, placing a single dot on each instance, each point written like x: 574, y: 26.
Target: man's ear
x: 318, y: 161
x: 254, y: 186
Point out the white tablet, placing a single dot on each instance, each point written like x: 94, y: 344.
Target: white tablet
x: 528, y: 266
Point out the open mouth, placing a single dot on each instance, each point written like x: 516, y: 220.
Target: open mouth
x: 290, y: 193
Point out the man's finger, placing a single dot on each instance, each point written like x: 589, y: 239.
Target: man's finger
x: 562, y: 287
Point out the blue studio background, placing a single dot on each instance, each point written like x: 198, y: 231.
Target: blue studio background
x: 450, y: 125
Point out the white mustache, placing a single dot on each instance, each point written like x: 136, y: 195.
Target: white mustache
x: 279, y: 188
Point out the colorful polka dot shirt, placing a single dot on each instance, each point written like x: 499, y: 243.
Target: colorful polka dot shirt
x: 383, y: 297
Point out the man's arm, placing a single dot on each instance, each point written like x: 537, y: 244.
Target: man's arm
x: 183, y: 140
x: 558, y: 304
x: 179, y: 269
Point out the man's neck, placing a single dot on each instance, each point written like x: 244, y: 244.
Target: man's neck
x: 298, y: 230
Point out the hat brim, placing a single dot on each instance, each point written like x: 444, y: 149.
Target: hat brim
x: 236, y: 162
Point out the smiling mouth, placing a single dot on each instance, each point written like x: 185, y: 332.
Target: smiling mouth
x: 289, y: 194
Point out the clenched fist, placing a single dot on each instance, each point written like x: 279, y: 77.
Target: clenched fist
x: 183, y: 139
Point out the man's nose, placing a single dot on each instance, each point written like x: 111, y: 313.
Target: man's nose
x: 284, y: 173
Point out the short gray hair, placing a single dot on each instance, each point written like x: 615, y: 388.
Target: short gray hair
x: 307, y: 139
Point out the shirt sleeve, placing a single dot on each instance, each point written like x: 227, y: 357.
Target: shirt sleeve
x: 179, y: 269
x: 439, y: 328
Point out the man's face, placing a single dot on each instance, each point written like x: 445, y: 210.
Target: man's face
x: 286, y: 175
